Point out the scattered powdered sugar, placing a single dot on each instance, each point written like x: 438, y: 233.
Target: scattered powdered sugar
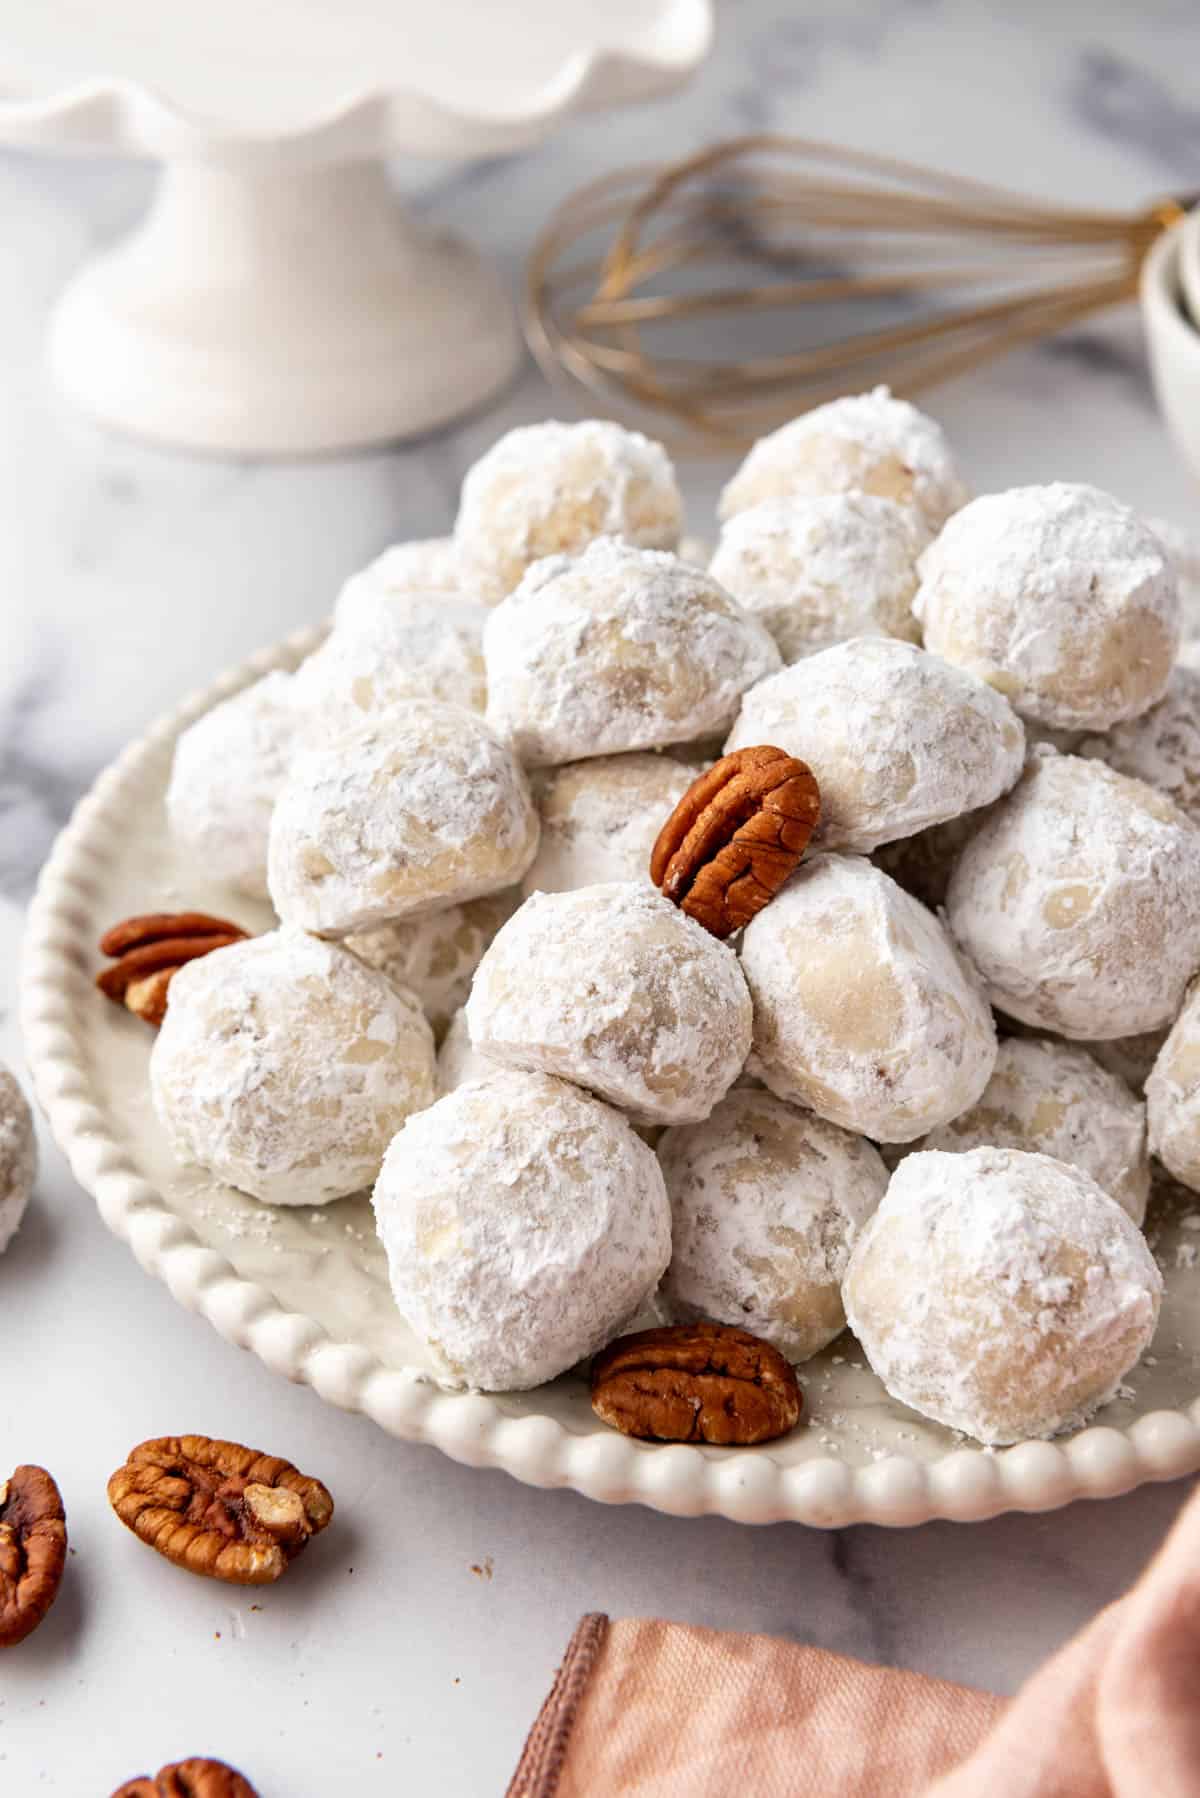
x: 613, y: 987
x: 766, y: 1202
x: 862, y: 1010
x: 819, y: 568
x: 600, y: 818
x: 1053, y: 1099
x: 615, y: 649
x: 284, y: 1066
x: 18, y: 1157
x: 550, y: 489
x: 863, y: 443
x: 1078, y: 899
x: 523, y: 1222
x: 405, y: 646
x: 898, y: 739
x: 436, y: 955
x: 227, y: 773
x: 1060, y: 597
x: 420, y: 808
x: 426, y: 565
x: 1162, y: 747
x: 1001, y: 1293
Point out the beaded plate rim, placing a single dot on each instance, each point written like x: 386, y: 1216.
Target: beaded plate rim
x: 747, y: 1486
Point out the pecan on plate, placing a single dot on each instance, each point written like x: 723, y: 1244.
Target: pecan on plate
x: 735, y: 836
x: 148, y: 952
x: 697, y: 1382
x: 217, y: 1508
x: 33, y: 1551
x: 193, y: 1778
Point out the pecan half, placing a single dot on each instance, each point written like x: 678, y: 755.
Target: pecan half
x: 33, y: 1551
x: 148, y: 952
x: 735, y: 836
x: 217, y: 1508
x: 189, y: 1779
x: 697, y: 1382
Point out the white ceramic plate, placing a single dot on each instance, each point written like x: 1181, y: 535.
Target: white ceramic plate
x: 306, y: 1290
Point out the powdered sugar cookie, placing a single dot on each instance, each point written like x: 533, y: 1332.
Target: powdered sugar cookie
x: 436, y: 954
x: 600, y: 819
x: 18, y: 1157
x: 403, y: 646
x: 1162, y: 746
x: 426, y: 565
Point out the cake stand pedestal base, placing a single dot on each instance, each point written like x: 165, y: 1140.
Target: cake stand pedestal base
x: 282, y: 311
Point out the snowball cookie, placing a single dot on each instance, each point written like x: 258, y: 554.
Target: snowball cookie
x: 1053, y: 1099
x: 615, y: 988
x: 406, y: 646
x: 552, y: 488
x: 766, y: 1202
x: 1059, y: 597
x: 436, y: 955
x: 1001, y: 1293
x: 818, y: 569
x: 865, y: 443
x: 1078, y: 899
x: 459, y: 1060
x: 285, y: 1066
x: 18, y: 1156
x: 419, y: 808
x: 524, y: 1223
x: 600, y: 819
x: 618, y: 648
x: 1173, y: 1097
x: 862, y: 1010
x: 1183, y: 553
x: 897, y: 739
x: 226, y: 776
x: 426, y: 565
x: 1162, y: 747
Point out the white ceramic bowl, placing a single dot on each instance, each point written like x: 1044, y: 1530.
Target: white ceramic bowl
x: 1173, y: 340
x: 306, y: 1290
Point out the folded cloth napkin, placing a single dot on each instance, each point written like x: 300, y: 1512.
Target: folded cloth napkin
x: 663, y: 1710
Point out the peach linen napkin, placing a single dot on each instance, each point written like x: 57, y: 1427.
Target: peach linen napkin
x: 664, y: 1710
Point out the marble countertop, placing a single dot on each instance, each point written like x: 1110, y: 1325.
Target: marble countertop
x: 415, y: 1642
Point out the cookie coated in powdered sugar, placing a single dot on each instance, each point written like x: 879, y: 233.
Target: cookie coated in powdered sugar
x: 459, y: 1060
x: 1001, y: 1293
x: 1173, y: 1097
x: 227, y: 773
x: 613, y: 987
x: 405, y: 646
x: 1078, y: 900
x: 550, y: 489
x: 1053, y: 1099
x: 898, y: 739
x: 435, y: 955
x: 524, y: 1223
x: 864, y: 443
x: 600, y: 818
x: 424, y: 565
x: 285, y: 1066
x: 1183, y: 553
x: 1162, y: 747
x: 1058, y: 596
x: 862, y: 1010
x: 766, y: 1202
x: 18, y: 1156
x: 816, y: 569
x: 617, y: 649
x: 420, y: 808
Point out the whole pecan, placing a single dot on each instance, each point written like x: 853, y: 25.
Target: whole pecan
x: 698, y: 1382
x: 189, y: 1779
x: 148, y: 952
x: 217, y: 1508
x: 735, y: 836
x: 33, y: 1551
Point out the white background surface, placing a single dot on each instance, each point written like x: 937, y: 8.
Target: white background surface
x: 128, y: 577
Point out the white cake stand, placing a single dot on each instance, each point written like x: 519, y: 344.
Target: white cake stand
x: 278, y: 298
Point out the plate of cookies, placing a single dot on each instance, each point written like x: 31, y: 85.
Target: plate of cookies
x: 710, y: 1031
